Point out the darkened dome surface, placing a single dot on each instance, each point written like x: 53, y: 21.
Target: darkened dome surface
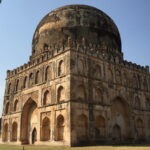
x: 81, y: 23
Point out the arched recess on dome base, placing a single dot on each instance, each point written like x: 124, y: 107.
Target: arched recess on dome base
x: 120, y: 118
x: 26, y: 118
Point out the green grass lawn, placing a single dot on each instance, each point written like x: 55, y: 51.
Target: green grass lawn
x: 10, y: 147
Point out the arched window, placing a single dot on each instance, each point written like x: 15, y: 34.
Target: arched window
x: 140, y: 128
x: 60, y: 68
x: 110, y: 75
x: 45, y: 132
x: 125, y: 79
x: 82, y: 127
x: 45, y: 47
x: 139, y: 81
x: 98, y: 72
x: 60, y: 128
x: 16, y: 105
x: 134, y: 81
x: 98, y: 95
x: 17, y: 85
x: 80, y: 92
x: 14, y: 131
x: 61, y: 94
x: 46, y: 98
x: 7, y: 108
x: 81, y: 67
x: 5, y: 132
x: 145, y: 85
x: 25, y: 82
x: 118, y: 76
x: 137, y: 103
x: 30, y: 79
x: 37, y: 77
x: 9, y: 88
x: 47, y: 73
x: 100, y: 127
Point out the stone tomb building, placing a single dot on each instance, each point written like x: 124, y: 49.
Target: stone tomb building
x: 76, y: 86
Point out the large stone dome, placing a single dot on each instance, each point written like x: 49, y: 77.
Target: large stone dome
x: 80, y: 23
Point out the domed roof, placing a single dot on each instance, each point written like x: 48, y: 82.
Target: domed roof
x: 77, y: 22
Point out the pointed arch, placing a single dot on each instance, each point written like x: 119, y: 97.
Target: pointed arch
x: 34, y: 136
x: 100, y: 126
x: 140, y: 128
x: 14, y: 131
x: 45, y: 131
x: 120, y: 115
x: 137, y: 103
x: 5, y: 132
x: 60, y: 128
x: 30, y: 79
x: 98, y: 95
x: 46, y: 98
x: 80, y: 94
x: 145, y: 84
x: 82, y: 127
x: 17, y: 85
x: 29, y: 108
x: 110, y: 75
x: 125, y: 78
x: 47, y: 73
x: 134, y: 81
x: 7, y: 108
x: 118, y: 76
x: 25, y: 82
x: 37, y: 77
x: 45, y: 47
x: 60, y: 94
x: 81, y: 67
x: 98, y: 72
x: 9, y: 88
x: 16, y: 105
x: 60, y: 68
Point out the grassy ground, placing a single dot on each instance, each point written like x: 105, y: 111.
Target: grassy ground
x: 10, y: 147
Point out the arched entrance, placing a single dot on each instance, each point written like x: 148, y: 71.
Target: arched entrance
x: 60, y: 128
x: 82, y: 127
x: 34, y: 136
x: 45, y: 131
x: 29, y: 117
x: 140, y: 129
x: 100, y: 127
x: 120, y: 118
x: 14, y: 131
x: 116, y: 133
x: 5, y: 132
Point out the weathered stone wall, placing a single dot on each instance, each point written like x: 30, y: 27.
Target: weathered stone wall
x: 76, y: 88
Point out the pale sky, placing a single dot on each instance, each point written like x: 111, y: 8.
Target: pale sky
x: 19, y: 18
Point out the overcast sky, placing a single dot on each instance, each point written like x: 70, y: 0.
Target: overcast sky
x: 19, y: 18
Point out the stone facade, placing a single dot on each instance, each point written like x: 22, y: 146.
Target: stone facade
x: 76, y: 88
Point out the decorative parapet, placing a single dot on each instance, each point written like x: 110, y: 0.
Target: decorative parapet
x: 94, y: 50
x: 135, y: 66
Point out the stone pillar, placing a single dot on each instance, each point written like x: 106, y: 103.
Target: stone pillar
x: 52, y: 134
x: 53, y: 124
x: 19, y: 129
x: 9, y: 131
x: 1, y: 139
x: 38, y: 126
